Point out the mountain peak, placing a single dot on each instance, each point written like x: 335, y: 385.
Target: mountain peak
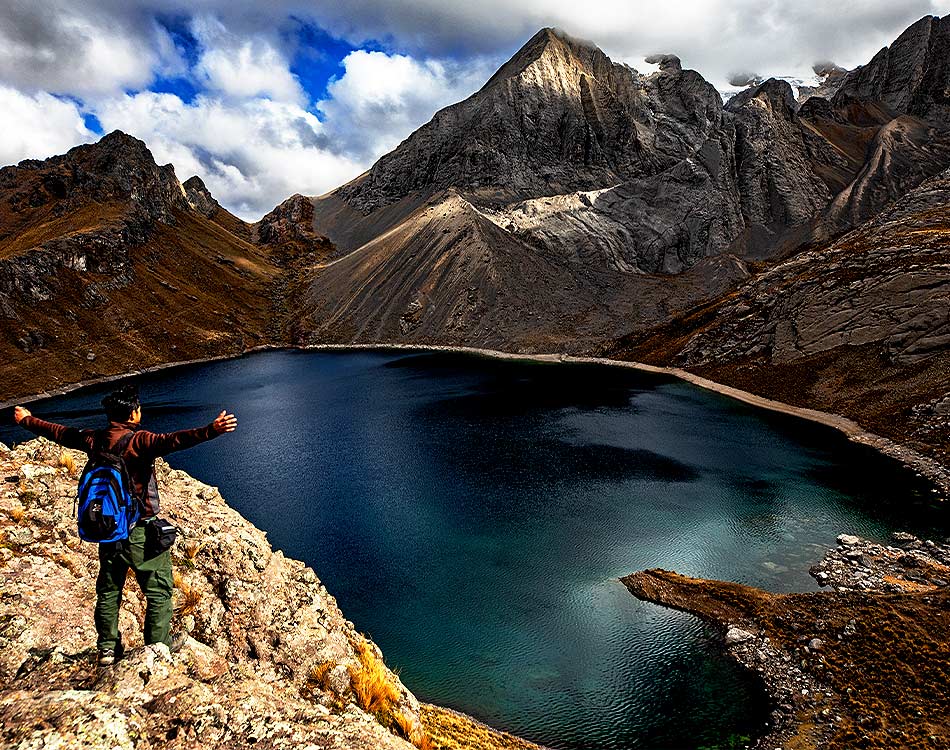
x: 199, y: 197
x: 909, y: 76
x: 117, y: 146
x: 118, y: 168
x: 556, y: 48
x: 559, y: 116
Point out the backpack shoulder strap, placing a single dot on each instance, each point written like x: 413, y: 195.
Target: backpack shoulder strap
x: 123, y: 443
x: 98, y: 443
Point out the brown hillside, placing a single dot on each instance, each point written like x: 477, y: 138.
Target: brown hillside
x: 109, y: 265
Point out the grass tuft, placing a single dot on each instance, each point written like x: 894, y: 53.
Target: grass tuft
x: 17, y: 514
x: 319, y: 675
x: 372, y: 688
x: 67, y: 462
x: 412, y: 730
x: 192, y: 548
x: 190, y: 596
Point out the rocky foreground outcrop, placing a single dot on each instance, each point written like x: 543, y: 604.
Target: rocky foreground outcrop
x: 864, y: 665
x: 270, y: 660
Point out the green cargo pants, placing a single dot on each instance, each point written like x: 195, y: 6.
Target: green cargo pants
x: 154, y: 575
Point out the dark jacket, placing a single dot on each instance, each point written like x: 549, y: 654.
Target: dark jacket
x: 139, y: 456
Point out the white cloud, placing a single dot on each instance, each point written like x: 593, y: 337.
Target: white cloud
x: 715, y: 37
x: 81, y: 49
x: 252, y: 154
x: 382, y: 98
x: 243, y: 67
x: 37, y: 126
x: 101, y: 45
x: 250, y: 133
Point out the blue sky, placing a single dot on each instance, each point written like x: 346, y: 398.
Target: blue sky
x: 265, y: 100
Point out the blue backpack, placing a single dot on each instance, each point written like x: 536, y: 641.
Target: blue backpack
x: 107, y: 511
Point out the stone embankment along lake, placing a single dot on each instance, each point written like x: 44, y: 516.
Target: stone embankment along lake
x: 270, y: 658
x: 863, y: 665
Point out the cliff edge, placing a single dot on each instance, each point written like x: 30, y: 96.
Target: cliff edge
x: 270, y: 659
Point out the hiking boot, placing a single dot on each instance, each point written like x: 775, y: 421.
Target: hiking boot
x: 106, y: 657
x: 176, y: 641
x: 109, y: 656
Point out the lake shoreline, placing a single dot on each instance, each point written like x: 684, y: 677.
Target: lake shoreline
x: 935, y: 472
x: 821, y: 655
x: 852, y: 430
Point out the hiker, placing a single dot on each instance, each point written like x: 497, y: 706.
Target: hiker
x: 138, y: 449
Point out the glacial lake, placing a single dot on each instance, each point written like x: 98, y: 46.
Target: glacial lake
x: 473, y: 517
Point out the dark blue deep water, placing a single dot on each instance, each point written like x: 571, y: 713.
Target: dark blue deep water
x: 473, y: 516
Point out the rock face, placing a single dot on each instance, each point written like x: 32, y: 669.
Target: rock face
x: 269, y: 659
x: 852, y: 292
x: 911, y: 76
x: 603, y: 179
x: 290, y: 227
x: 778, y: 184
x: 557, y: 118
x: 859, y: 666
x: 200, y: 198
x: 860, y: 326
x: 118, y: 169
x: 450, y: 274
x: 619, y: 153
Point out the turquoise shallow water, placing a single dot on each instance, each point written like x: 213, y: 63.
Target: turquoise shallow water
x: 473, y: 516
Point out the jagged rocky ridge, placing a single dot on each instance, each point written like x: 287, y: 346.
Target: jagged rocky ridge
x: 603, y: 178
x: 270, y: 659
x: 101, y: 249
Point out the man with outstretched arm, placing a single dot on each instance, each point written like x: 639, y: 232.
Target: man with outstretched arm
x: 152, y: 571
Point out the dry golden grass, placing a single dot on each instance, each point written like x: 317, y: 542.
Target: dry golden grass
x: 372, y: 687
x: 412, y: 730
x: 190, y: 596
x: 405, y: 724
x: 450, y: 730
x: 318, y: 675
x: 908, y: 586
x: 192, y: 548
x: 16, y: 514
x: 67, y: 462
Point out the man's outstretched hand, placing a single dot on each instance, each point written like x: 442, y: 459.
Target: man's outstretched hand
x: 224, y: 423
x: 20, y: 413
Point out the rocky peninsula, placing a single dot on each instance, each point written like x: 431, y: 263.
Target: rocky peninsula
x: 862, y: 665
x: 270, y: 659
